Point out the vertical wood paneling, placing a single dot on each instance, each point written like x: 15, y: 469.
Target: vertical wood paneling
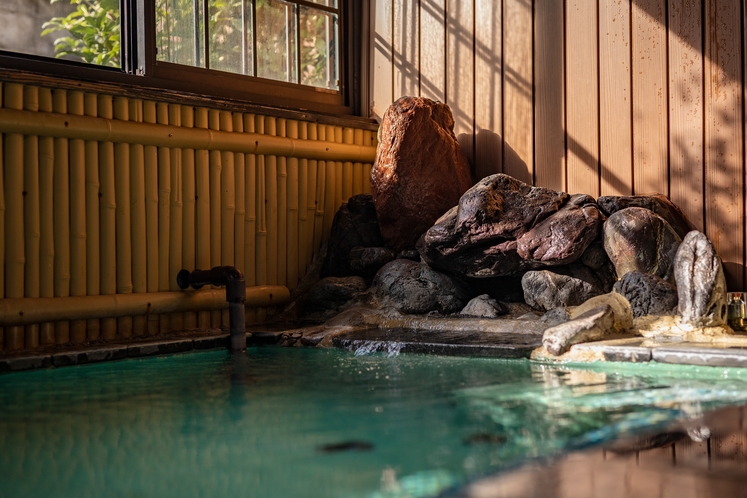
x: 406, y: 49
x: 583, y: 97
x: 549, y: 89
x: 650, y: 141
x: 518, y: 110
x: 382, y: 57
x: 724, y: 173
x: 488, y: 88
x: 433, y: 49
x: 460, y: 70
x: 615, y: 98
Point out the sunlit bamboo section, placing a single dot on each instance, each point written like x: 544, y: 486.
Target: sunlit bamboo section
x: 103, y: 199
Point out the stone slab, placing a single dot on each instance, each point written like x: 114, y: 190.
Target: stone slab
x: 15, y: 364
x: 160, y: 347
x: 212, y: 342
x: 694, y: 354
x: 92, y: 355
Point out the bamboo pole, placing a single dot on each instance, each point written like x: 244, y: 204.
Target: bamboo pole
x: 176, y: 222
x: 93, y: 187
x: 271, y: 203
x: 138, y: 218
x: 188, y: 208
x: 338, y: 173
x: 303, y: 200
x: 330, y: 180
x: 15, y: 257
x: 46, y: 217
x: 202, y: 210
x: 164, y: 212
x: 320, y: 194
x: 216, y: 168
x: 250, y: 218
x: 292, y: 233
x: 151, y: 214
x: 107, y: 217
x: 282, y: 210
x: 369, y: 139
x: 240, y: 215
x: 61, y: 201
x: 261, y: 198
x: 78, y: 231
x: 123, y: 217
x: 31, y: 214
x: 311, y: 133
x: 347, y: 167
x: 23, y: 311
x: 227, y: 204
x: 105, y: 130
x: 358, y: 166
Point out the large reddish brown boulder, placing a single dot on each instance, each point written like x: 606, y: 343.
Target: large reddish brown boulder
x: 419, y: 172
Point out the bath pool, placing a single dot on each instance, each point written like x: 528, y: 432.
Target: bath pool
x: 299, y: 422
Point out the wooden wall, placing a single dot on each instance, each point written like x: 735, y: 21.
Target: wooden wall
x: 606, y: 97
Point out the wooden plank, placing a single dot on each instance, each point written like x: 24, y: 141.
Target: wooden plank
x: 488, y: 88
x: 518, y: 150
x: 381, y: 76
x: 406, y: 51
x: 460, y: 70
x: 582, y: 97
x: 650, y: 142
x: 724, y: 168
x: 615, y: 99
x: 549, y: 88
x: 686, y: 107
x: 433, y: 57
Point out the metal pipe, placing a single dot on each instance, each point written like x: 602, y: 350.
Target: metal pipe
x: 26, y: 310
x: 233, y: 279
x: 108, y: 130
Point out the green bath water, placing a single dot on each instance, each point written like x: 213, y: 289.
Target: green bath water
x: 299, y: 422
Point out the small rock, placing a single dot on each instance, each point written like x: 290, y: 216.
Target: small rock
x: 484, y: 307
x: 411, y: 254
x: 701, y: 285
x: 657, y: 203
x: 636, y: 239
x: 555, y: 316
x: 592, y: 325
x: 595, y: 257
x: 366, y: 261
x: 415, y: 288
x: 330, y: 294
x: 546, y: 290
x: 623, y: 315
x: 647, y: 294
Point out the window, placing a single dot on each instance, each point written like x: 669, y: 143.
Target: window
x: 289, y: 53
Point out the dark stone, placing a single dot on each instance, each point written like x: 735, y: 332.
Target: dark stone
x: 700, y: 282
x: 555, y: 316
x: 593, y: 325
x: 657, y: 203
x: 330, y: 294
x: 213, y: 342
x: 419, y: 171
x: 503, y: 289
x: 484, y: 307
x: 18, y: 363
x: 354, y: 225
x: 160, y: 347
x: 366, y: 261
x: 478, y: 237
x: 411, y: 254
x: 636, y: 239
x: 415, y: 288
x: 564, y: 236
x: 92, y: 355
x: 647, y: 294
x: 595, y: 257
x: 545, y: 289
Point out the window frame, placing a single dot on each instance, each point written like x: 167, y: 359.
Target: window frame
x: 140, y: 69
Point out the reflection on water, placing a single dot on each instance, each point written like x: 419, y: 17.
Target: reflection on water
x: 301, y: 422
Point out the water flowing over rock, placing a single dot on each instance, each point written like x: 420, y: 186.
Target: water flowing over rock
x: 637, y: 239
x: 484, y: 306
x: 478, y: 237
x: 419, y: 171
x: 657, y: 203
x: 545, y: 289
x: 647, y: 294
x: 701, y: 285
x: 415, y: 288
x: 354, y: 225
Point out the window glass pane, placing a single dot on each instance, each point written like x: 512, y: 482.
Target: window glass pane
x: 180, y: 32
x: 276, y: 40
x: 79, y: 30
x: 328, y: 3
x: 227, y: 27
x: 319, y: 54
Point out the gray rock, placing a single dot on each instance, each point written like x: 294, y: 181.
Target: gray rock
x: 330, y: 294
x: 592, y: 325
x: 555, y: 317
x: 366, y: 261
x: 647, y: 294
x: 701, y: 285
x: 415, y: 288
x: 354, y: 225
x: 595, y: 257
x: 484, y: 307
x: 545, y: 289
x: 657, y: 203
x: 636, y: 239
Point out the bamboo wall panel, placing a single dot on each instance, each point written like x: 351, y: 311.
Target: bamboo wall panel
x: 605, y: 97
x: 95, y: 218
